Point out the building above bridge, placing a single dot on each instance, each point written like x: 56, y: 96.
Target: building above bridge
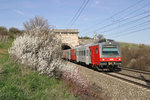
x: 69, y: 37
x: 66, y: 31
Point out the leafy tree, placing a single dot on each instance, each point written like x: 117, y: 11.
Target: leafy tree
x: 3, y: 30
x: 85, y: 37
x: 15, y: 31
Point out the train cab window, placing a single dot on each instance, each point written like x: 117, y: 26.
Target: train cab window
x: 110, y: 51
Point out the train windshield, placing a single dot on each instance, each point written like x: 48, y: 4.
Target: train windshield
x: 110, y: 51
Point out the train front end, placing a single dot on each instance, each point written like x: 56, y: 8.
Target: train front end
x: 110, y: 54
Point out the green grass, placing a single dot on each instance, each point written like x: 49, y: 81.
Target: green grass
x: 20, y: 83
x: 130, y: 45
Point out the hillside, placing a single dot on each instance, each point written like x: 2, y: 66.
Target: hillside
x: 135, y: 56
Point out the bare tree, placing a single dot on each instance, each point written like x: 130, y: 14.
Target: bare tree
x: 37, y: 22
x: 100, y: 38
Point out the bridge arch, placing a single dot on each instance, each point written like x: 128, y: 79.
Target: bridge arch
x: 66, y: 46
x: 69, y: 37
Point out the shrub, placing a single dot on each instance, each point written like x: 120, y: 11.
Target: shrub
x: 40, y: 49
x: 3, y: 30
x: 14, y: 31
x: 137, y: 58
x: 42, y: 53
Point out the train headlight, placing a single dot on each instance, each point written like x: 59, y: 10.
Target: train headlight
x: 103, y: 59
x: 119, y: 59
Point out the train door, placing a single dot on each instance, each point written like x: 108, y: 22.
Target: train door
x: 94, y: 55
x: 87, y: 55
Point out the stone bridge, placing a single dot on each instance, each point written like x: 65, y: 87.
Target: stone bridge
x: 69, y: 37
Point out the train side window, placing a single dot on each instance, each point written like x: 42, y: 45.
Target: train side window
x: 83, y: 52
x: 96, y: 50
x: 90, y: 52
x: 86, y: 52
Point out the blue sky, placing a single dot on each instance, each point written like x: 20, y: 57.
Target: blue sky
x: 95, y: 16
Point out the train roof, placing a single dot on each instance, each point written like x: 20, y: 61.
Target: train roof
x: 107, y: 42
x: 96, y: 43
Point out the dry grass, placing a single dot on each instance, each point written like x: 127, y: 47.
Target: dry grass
x: 137, y: 58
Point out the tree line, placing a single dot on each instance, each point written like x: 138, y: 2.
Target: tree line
x: 11, y: 32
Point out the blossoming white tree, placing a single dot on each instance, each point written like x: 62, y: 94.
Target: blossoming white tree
x: 40, y: 49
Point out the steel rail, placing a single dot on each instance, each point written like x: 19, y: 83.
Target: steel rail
x: 127, y: 80
x: 135, y: 70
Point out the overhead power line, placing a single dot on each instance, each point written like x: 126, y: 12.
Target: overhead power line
x: 116, y: 14
x: 120, y: 21
x: 133, y: 21
x: 131, y: 28
x: 129, y: 33
x: 78, y: 13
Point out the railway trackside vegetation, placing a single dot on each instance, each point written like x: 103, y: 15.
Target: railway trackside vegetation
x: 136, y: 56
x: 19, y: 82
x: 39, y: 49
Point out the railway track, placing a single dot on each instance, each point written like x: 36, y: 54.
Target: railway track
x: 130, y: 79
x: 137, y: 77
x: 134, y: 70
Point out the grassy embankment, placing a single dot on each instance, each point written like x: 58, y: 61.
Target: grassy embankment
x: 20, y: 83
x: 136, y: 56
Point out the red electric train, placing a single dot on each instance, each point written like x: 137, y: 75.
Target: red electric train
x: 99, y: 55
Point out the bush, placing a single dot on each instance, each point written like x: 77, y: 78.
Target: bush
x: 85, y: 37
x: 137, y: 58
x: 40, y: 49
x: 42, y: 53
x: 3, y: 30
x: 14, y: 31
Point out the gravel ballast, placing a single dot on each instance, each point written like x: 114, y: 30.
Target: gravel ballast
x: 112, y: 88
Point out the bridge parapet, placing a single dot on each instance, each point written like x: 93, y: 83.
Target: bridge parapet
x: 68, y: 36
